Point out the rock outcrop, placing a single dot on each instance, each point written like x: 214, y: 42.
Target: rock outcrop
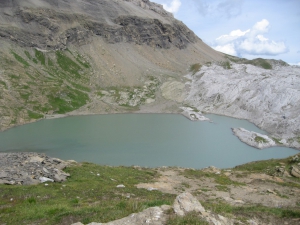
x: 47, y: 33
x: 184, y: 203
x: 30, y: 168
x: 254, y: 139
x: 270, y: 98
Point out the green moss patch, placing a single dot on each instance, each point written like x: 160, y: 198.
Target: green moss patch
x: 20, y: 59
x: 90, y: 194
x: 259, y: 139
x: 195, y: 68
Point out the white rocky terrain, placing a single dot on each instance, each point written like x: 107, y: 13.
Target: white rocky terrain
x: 269, y: 98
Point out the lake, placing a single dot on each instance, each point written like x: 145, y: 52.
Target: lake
x: 150, y: 140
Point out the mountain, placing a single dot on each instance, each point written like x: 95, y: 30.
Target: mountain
x: 90, y: 56
x: 61, y: 57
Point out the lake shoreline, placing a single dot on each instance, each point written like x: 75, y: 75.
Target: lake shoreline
x: 144, y: 139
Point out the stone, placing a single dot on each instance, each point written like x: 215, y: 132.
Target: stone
x: 45, y: 170
x: 150, y: 216
x: 272, y: 192
x: 45, y: 179
x: 185, y: 203
x: 30, y: 181
x: 25, y: 168
x: 37, y: 159
x: 295, y: 171
x: 286, y: 174
x: 120, y: 186
x: 3, y: 174
x: 77, y: 223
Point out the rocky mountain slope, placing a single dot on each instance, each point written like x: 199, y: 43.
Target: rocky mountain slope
x: 107, y: 55
x: 113, y: 56
x: 268, y: 96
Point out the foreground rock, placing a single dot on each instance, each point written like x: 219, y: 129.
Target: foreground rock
x: 183, y: 204
x: 31, y: 168
x: 186, y: 203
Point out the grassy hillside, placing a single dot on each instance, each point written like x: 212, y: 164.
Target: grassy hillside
x: 91, y: 194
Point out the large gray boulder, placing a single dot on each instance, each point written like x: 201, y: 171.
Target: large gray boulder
x: 295, y: 171
x: 150, y: 216
x: 185, y: 203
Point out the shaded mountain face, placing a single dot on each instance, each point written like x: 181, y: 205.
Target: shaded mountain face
x: 90, y: 56
x: 53, y: 25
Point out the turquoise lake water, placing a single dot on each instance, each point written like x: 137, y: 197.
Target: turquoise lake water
x: 140, y: 139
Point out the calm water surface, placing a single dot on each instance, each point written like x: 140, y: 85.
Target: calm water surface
x: 140, y: 139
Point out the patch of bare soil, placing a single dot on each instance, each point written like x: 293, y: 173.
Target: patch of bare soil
x: 234, y: 188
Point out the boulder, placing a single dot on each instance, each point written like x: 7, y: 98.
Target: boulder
x: 295, y: 171
x: 150, y: 216
x: 185, y: 203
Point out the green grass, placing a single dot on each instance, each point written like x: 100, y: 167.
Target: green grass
x: 219, y: 179
x: 224, y: 208
x: 80, y: 87
x: 277, y: 141
x: 259, y: 166
x: 28, y: 55
x: 84, y: 197
x: 34, y: 115
x: 20, y: 59
x: 40, y: 56
x: 195, y: 68
x: 222, y: 188
x: 269, y: 167
x: 226, y: 65
x: 67, y: 64
x: 259, y: 139
x: 67, y: 99
x: 4, y: 84
x: 189, y: 219
x: 263, y: 63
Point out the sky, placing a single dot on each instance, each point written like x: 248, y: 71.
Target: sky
x: 245, y: 28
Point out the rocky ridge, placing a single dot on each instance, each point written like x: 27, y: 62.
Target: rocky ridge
x: 48, y: 26
x: 31, y: 168
x: 269, y: 98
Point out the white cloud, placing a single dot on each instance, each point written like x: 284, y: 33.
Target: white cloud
x: 228, y: 49
x: 235, y: 34
x: 173, y: 7
x: 251, y: 42
x: 261, y: 26
x: 261, y: 38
